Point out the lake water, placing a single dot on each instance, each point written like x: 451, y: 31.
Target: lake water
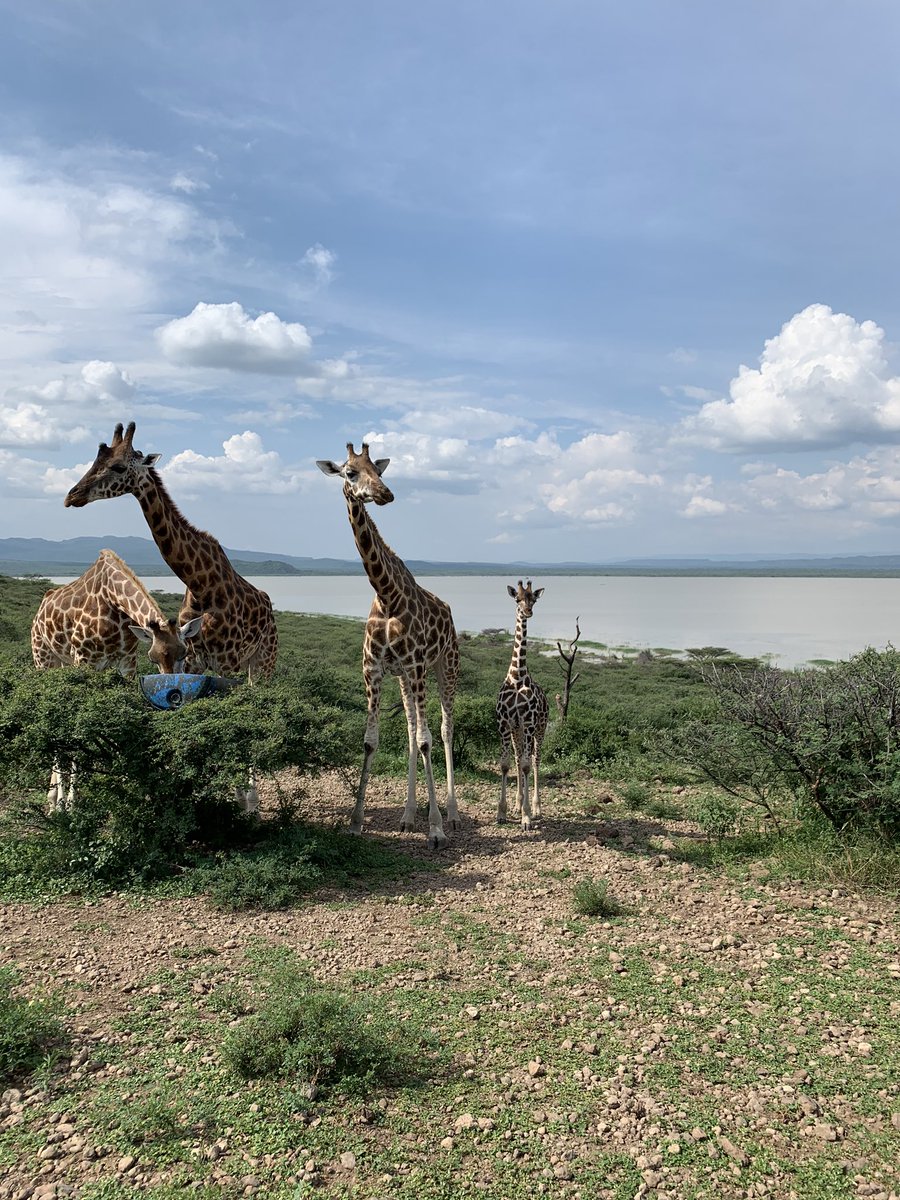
x: 793, y: 619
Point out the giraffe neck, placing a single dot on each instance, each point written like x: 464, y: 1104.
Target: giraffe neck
x: 121, y: 589
x: 196, y: 557
x: 387, y: 572
x: 518, y: 668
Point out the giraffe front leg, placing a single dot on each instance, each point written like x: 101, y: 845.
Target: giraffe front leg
x: 447, y: 673
x: 373, y: 680
x: 525, y: 769
x: 437, y: 839
x: 505, y: 746
x: 408, y: 820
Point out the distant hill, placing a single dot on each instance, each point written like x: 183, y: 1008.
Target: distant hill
x: 40, y: 556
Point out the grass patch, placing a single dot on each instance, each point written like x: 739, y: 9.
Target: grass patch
x: 288, y: 863
x: 30, y: 1030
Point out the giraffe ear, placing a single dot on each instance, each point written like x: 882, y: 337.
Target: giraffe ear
x: 142, y: 634
x: 511, y: 590
x: 191, y: 628
x: 381, y: 464
x: 538, y: 594
x: 327, y: 467
x: 150, y: 460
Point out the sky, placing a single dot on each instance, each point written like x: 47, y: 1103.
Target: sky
x: 601, y: 280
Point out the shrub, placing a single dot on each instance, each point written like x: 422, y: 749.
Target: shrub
x: 830, y: 738
x: 149, y: 784
x: 317, y: 1038
x: 591, y: 899
x: 635, y: 795
x: 28, y: 1029
x: 716, y: 814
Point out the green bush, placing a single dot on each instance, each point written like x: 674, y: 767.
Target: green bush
x: 830, y: 739
x: 29, y: 1030
x: 635, y: 794
x: 149, y: 784
x: 591, y: 898
x: 317, y: 1038
x: 716, y: 813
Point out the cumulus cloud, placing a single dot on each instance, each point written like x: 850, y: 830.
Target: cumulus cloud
x: 445, y: 464
x: 822, y: 381
x: 226, y: 337
x: 321, y: 262
x: 704, y: 506
x: 48, y: 415
x: 244, y: 466
x: 465, y: 421
x: 34, y: 479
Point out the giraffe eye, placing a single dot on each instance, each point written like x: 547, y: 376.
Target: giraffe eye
x: 118, y: 468
x: 352, y: 474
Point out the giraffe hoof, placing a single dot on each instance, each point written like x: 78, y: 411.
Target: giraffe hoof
x: 437, y: 841
x: 356, y: 830
x: 407, y: 826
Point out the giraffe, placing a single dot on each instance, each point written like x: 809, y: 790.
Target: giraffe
x: 97, y: 621
x: 237, y: 631
x: 408, y: 632
x: 522, y: 714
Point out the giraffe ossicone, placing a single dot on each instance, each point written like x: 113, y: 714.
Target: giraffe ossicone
x: 522, y: 715
x: 409, y: 632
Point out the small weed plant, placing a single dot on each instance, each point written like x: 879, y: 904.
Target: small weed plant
x: 591, y: 898
x: 635, y: 794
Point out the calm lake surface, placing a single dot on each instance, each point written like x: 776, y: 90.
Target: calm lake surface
x: 793, y: 619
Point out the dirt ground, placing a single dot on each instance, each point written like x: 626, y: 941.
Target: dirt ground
x: 729, y: 1035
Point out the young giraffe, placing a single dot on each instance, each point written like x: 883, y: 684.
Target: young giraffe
x: 238, y: 631
x: 409, y: 631
x: 522, y: 714
x: 97, y: 621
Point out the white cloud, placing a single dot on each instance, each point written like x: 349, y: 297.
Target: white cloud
x: 704, y: 506
x: 321, y: 262
x: 29, y: 477
x: 245, y: 466
x: 48, y: 415
x: 464, y: 421
x: 224, y: 336
x: 823, y: 381
x: 32, y: 425
x: 181, y: 182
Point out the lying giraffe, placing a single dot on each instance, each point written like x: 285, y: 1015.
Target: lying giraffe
x: 409, y: 631
x: 522, y: 714
x: 97, y: 620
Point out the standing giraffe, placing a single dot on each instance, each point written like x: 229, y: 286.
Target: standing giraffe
x: 522, y: 714
x: 408, y: 631
x: 238, y: 630
x: 97, y: 621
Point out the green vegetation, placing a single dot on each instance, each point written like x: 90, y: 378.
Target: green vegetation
x: 315, y: 1037
x: 592, y: 899
x: 30, y: 1030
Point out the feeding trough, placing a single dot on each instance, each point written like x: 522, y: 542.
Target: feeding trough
x: 174, y: 691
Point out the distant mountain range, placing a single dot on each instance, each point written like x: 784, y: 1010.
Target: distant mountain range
x: 38, y: 556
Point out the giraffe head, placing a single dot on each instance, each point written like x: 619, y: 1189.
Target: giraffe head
x: 168, y: 648
x: 525, y: 598
x: 117, y: 469
x: 361, y: 476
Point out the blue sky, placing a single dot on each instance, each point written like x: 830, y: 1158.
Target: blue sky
x: 601, y: 280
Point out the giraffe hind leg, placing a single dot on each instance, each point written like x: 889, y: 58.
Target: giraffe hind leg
x: 408, y: 820
x: 505, y: 746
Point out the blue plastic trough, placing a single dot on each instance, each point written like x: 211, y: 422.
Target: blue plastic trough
x: 174, y: 691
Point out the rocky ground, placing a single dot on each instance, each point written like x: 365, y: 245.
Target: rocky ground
x: 727, y: 1036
